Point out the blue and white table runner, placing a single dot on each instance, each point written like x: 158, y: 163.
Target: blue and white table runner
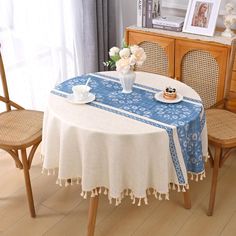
x: 187, y: 116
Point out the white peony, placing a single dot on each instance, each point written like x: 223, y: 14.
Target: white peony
x: 125, y: 59
x: 124, y: 53
x: 132, y: 60
x: 123, y: 65
x: 134, y: 48
x: 138, y: 55
x: 113, y: 51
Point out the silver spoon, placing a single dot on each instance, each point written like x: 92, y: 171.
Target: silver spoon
x: 88, y: 81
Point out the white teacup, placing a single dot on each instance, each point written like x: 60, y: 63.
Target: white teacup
x: 81, y: 92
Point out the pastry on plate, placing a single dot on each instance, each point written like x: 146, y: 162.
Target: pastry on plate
x: 170, y: 93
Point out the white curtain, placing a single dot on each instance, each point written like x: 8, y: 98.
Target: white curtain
x: 41, y: 44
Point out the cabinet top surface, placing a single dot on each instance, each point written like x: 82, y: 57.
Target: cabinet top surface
x: 217, y: 38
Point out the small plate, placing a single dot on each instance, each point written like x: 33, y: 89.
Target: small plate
x: 90, y: 98
x: 159, y: 97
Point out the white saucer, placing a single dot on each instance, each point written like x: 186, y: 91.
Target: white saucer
x: 90, y: 98
x: 159, y: 97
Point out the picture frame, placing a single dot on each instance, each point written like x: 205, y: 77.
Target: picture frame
x: 201, y: 17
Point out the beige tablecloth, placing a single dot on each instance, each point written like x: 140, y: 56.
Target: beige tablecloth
x: 110, y: 153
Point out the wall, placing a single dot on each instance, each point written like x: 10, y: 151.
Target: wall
x: 126, y: 15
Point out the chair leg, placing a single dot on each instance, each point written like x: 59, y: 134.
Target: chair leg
x: 27, y: 182
x: 214, y: 180
x: 187, y: 200
x: 92, y: 215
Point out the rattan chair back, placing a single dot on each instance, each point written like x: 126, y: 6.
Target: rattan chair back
x: 157, y: 60
x: 203, y: 77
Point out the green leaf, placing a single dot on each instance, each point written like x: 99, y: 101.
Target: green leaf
x: 115, y: 58
x: 124, y: 44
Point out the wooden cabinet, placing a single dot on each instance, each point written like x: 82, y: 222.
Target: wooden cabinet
x: 233, y: 81
x: 160, y: 51
x: 204, y: 63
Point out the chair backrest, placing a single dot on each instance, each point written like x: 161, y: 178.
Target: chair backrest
x: 206, y: 71
x: 203, y: 78
x: 5, y: 96
x: 157, y: 60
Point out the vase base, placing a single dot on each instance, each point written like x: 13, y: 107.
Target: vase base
x: 125, y: 91
x: 127, y: 81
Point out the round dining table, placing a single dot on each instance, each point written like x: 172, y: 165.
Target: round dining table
x: 122, y: 144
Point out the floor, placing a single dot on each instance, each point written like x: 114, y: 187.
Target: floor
x: 62, y: 211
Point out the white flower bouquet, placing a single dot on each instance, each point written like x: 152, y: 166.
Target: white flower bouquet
x: 126, y: 58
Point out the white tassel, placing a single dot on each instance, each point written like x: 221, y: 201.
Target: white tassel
x: 178, y: 188
x: 110, y: 199
x: 96, y: 192
x: 201, y: 177
x: 131, y: 195
x: 139, y: 202
x: 173, y: 187
x: 49, y: 172
x: 127, y: 192
x: 169, y: 186
x: 100, y: 190
x: 155, y: 193
x: 196, y: 178
x: 105, y: 192
x: 92, y: 194
x: 57, y: 181
x: 133, y: 201
x: 77, y: 182
x: 191, y: 176
x: 146, y: 201
x: 66, y: 184
x: 85, y: 195
x: 60, y: 184
x: 167, y: 196
x: 187, y: 186
x: 82, y: 194
x: 183, y: 189
x: 148, y: 191
x: 117, y: 203
x: 160, y: 198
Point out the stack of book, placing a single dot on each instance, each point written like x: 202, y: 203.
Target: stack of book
x: 172, y: 23
x: 149, y: 15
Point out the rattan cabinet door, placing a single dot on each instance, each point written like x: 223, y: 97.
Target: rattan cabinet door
x: 159, y: 50
x: 203, y: 67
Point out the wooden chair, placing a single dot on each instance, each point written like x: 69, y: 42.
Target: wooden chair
x: 19, y: 129
x: 221, y: 125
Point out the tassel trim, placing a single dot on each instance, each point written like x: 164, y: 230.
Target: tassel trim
x: 126, y: 192
x: 196, y: 177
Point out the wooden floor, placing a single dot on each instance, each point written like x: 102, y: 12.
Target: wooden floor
x: 62, y: 211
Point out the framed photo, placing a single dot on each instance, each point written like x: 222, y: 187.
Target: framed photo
x: 201, y: 17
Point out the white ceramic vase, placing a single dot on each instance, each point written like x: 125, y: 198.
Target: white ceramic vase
x: 127, y: 81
